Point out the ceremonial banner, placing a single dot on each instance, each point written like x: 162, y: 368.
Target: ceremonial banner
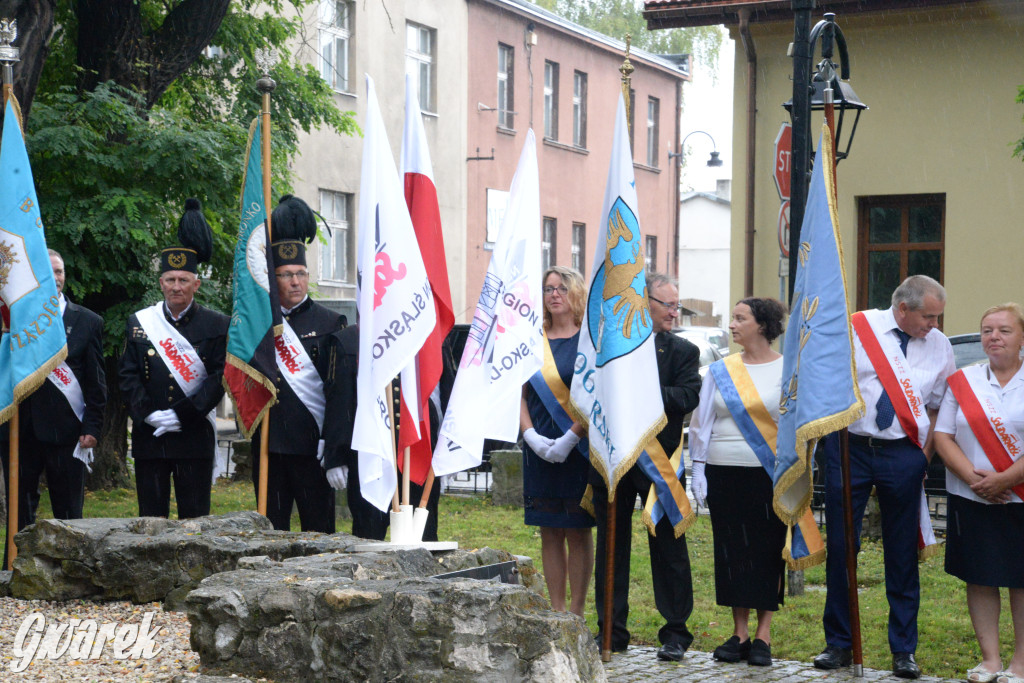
x: 33, y: 343
x: 820, y: 394
x: 506, y: 340
x: 255, y: 312
x: 395, y: 302
x: 615, y: 388
x: 421, y: 377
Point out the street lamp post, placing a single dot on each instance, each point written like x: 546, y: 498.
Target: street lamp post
x: 713, y: 162
x: 808, y: 96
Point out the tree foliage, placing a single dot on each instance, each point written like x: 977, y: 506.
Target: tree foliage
x: 115, y: 156
x: 617, y: 18
x: 1018, y: 148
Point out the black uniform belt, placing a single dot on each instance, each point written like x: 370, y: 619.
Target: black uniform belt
x: 875, y: 442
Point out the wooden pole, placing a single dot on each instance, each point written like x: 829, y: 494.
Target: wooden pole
x: 265, y: 59
x: 10, y: 57
x: 395, y: 504
x: 12, y: 476
x: 609, y: 579
x: 851, y: 555
x: 428, y: 487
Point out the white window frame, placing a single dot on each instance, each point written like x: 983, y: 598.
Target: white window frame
x: 548, y: 243
x: 335, y: 30
x: 653, y: 112
x: 420, y: 49
x: 579, y: 109
x: 506, y: 86
x: 551, y: 100
x: 335, y: 267
x: 579, y: 247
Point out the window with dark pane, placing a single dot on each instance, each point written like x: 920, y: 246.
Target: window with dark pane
x: 897, y: 236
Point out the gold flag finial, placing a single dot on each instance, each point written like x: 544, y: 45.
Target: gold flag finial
x: 626, y: 69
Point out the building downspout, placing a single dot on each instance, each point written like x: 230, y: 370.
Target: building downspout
x: 751, y: 52
x: 678, y: 173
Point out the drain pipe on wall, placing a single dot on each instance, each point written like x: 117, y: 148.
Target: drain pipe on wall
x: 751, y: 52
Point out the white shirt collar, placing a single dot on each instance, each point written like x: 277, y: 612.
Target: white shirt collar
x: 178, y: 317
x: 63, y: 303
x: 287, y: 311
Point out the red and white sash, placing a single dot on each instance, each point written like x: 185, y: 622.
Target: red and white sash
x: 984, y: 414
x: 894, y: 373
x: 298, y: 370
x: 64, y: 379
x: 176, y: 352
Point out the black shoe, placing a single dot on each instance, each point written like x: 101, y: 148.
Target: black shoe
x: 615, y: 648
x: 760, y: 653
x: 671, y: 652
x: 732, y: 650
x: 833, y: 657
x: 904, y: 666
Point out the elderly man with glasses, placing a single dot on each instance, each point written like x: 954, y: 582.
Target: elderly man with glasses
x: 296, y: 474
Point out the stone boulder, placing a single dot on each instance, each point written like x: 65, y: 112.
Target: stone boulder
x: 147, y: 559
x: 507, y: 478
x: 308, y: 619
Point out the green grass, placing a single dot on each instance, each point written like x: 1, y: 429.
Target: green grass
x: 947, y: 645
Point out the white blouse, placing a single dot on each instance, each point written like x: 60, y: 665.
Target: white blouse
x: 714, y: 435
x: 951, y: 420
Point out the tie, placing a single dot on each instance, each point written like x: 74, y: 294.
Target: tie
x: 884, y: 412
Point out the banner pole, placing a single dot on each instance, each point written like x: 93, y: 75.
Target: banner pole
x: 406, y: 464
x: 265, y: 61
x: 8, y: 56
x: 609, y: 579
x: 428, y: 487
x: 395, y: 503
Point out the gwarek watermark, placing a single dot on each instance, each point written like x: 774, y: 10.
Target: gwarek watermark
x: 81, y: 639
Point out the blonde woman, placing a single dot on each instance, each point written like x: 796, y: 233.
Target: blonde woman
x: 554, y: 455
x: 978, y: 436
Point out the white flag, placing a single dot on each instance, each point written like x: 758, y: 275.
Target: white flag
x: 615, y: 386
x: 396, y: 306
x: 505, y: 344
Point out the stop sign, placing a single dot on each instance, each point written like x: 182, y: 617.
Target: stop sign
x: 783, y: 154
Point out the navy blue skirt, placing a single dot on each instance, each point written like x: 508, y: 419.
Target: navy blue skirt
x: 983, y: 542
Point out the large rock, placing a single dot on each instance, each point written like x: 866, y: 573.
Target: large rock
x: 507, y: 478
x: 307, y: 619
x: 146, y: 559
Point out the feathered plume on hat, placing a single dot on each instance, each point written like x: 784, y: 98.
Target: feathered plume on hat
x: 293, y: 225
x: 196, y: 241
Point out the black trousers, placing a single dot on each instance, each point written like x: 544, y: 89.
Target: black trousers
x: 299, y: 480
x: 65, y: 479
x: 193, y: 478
x: 367, y: 520
x: 670, y: 565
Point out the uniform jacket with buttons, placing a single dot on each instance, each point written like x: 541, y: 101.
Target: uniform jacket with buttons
x: 148, y: 385
x: 293, y: 429
x: 46, y: 414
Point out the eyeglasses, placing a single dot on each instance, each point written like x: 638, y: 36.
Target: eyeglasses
x: 561, y: 289
x: 673, y: 306
x: 302, y: 275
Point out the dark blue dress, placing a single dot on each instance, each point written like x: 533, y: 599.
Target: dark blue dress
x: 552, y: 491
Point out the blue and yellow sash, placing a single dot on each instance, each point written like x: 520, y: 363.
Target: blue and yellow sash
x: 667, y: 496
x: 554, y: 395
x: 804, y: 547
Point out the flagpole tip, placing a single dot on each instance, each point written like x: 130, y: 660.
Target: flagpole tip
x: 266, y: 59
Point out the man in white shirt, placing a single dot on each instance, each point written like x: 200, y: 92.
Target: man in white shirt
x: 886, y: 453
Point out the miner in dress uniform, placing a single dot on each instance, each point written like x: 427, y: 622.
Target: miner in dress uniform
x: 296, y: 473
x: 170, y: 378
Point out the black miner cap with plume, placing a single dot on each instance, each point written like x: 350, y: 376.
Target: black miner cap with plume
x: 196, y: 241
x: 293, y: 225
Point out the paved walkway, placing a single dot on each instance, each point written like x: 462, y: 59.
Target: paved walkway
x: 639, y: 665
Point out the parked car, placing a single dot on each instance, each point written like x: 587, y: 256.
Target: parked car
x: 715, y: 336
x: 967, y: 349
x: 708, y: 355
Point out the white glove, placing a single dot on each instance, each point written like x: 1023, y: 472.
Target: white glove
x: 537, y: 443
x: 320, y: 453
x: 337, y: 477
x: 699, y: 483
x: 562, y: 447
x: 164, y: 421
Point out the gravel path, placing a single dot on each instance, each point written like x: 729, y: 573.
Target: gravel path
x: 170, y: 637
